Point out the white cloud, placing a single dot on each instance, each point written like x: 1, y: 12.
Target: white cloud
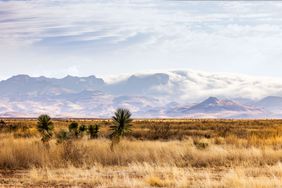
x: 188, y: 86
x: 194, y: 86
x: 127, y: 36
x: 73, y: 70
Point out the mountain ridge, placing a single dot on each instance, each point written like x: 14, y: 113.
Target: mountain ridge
x: 170, y: 94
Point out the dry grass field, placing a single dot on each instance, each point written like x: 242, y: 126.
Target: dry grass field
x: 156, y: 153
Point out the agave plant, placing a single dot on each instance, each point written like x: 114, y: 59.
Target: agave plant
x: 45, y: 127
x: 121, y: 125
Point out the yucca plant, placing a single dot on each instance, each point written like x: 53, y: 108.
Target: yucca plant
x: 73, y: 129
x: 77, y: 131
x: 82, y: 129
x: 93, y: 131
x: 62, y: 136
x: 2, y: 124
x: 121, y: 125
x: 45, y: 127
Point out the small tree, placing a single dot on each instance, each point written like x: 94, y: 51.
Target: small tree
x: 93, y: 131
x: 121, y: 125
x: 45, y: 127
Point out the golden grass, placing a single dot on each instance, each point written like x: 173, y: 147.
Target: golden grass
x: 207, y: 153
x: 27, y: 153
x: 146, y: 175
x: 154, y: 128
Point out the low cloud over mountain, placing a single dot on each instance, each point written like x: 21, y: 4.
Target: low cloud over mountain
x: 170, y: 94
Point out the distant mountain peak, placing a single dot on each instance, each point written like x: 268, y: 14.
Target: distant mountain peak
x: 211, y: 100
x: 213, y: 104
x: 20, y: 77
x: 69, y: 77
x: 146, y: 95
x: 271, y: 103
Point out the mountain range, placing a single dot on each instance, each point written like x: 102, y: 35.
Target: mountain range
x: 172, y: 94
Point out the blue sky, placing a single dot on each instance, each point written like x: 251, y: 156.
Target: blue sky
x: 106, y: 37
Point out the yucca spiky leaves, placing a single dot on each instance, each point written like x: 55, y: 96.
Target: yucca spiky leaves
x: 121, y: 125
x: 45, y: 127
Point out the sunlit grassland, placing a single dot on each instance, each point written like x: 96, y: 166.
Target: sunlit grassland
x: 157, y: 153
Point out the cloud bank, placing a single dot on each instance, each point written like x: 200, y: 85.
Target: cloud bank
x: 193, y: 86
x: 112, y: 37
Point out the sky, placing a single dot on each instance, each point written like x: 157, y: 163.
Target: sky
x: 110, y: 37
